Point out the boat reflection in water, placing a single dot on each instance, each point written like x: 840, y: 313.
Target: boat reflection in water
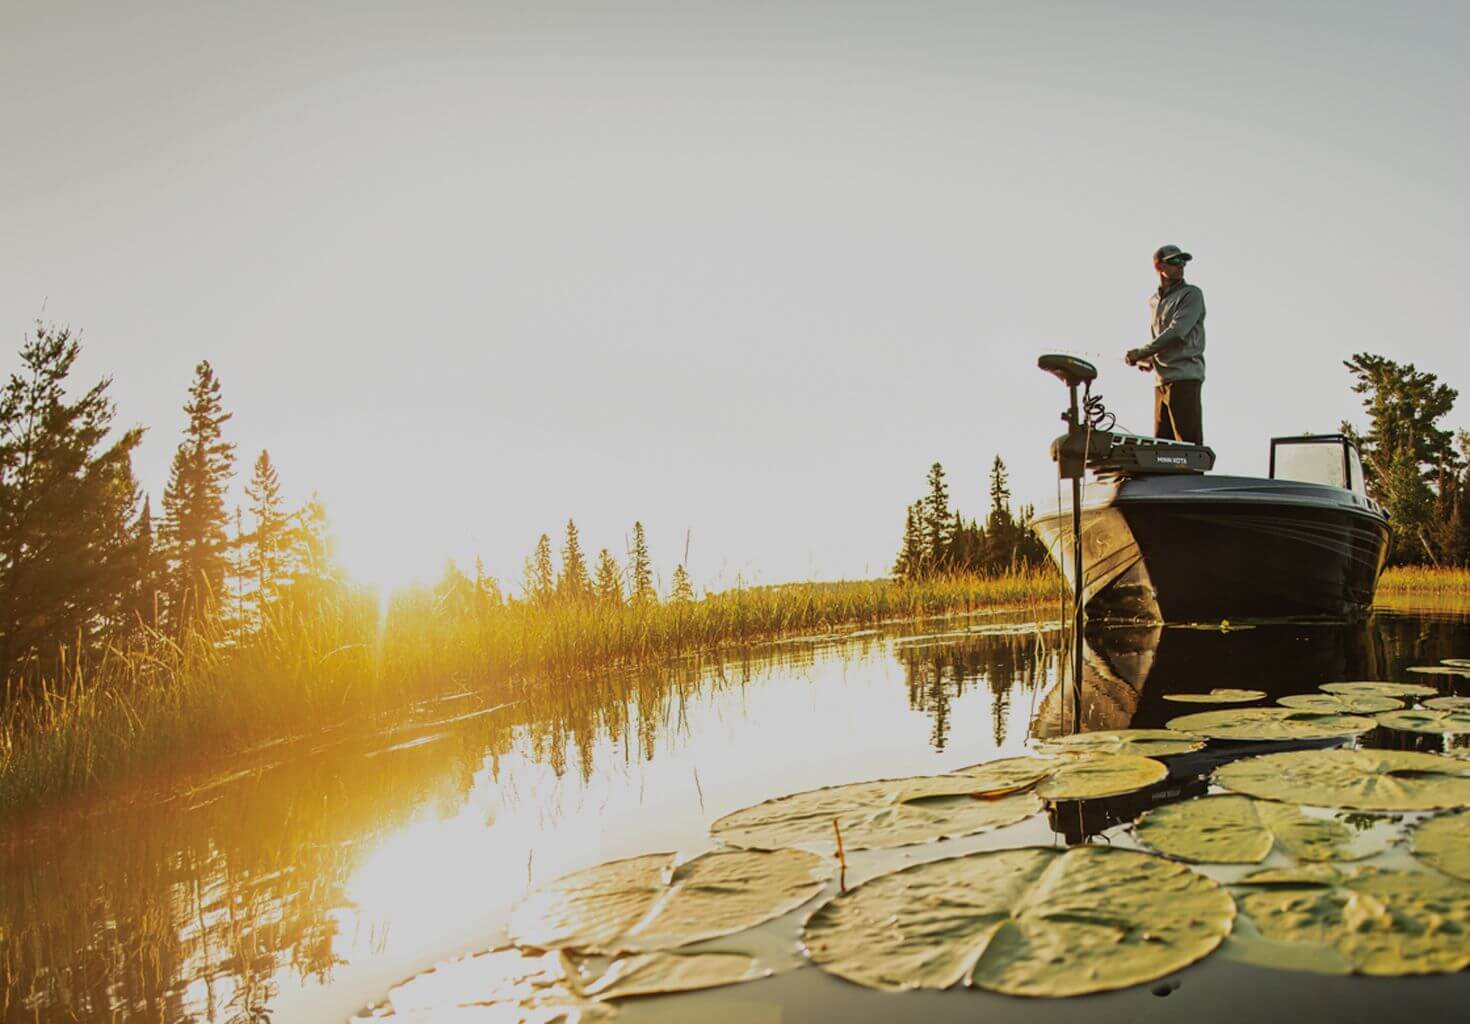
x: 1129, y: 671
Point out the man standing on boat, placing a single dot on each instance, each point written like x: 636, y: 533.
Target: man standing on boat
x: 1177, y: 352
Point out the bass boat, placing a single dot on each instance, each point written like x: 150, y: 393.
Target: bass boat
x: 1164, y: 540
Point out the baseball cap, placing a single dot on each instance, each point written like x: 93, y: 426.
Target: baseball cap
x: 1165, y: 252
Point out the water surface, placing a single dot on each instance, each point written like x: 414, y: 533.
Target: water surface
x: 307, y: 879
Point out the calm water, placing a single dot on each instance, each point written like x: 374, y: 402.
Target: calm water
x: 306, y: 881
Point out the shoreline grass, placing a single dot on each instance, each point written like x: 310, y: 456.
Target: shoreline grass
x: 1424, y: 579
x: 162, y: 703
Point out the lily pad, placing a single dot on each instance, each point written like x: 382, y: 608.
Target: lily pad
x: 882, y: 814
x: 1428, y: 720
x: 1270, y: 724
x: 1341, y: 703
x: 1441, y: 670
x: 1368, y: 780
x: 1381, y: 689
x: 1008, y: 775
x: 1139, y: 742
x: 648, y: 974
x: 648, y: 903
x: 1239, y: 830
x: 514, y: 985
x: 1299, y: 874
x: 1443, y: 843
x: 1032, y: 921
x: 1101, y: 775
x: 1383, y: 922
x: 1448, y: 703
x: 1218, y: 697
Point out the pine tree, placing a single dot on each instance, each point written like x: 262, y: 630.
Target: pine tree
x: 540, y: 577
x: 573, y: 584
x: 909, y: 564
x: 142, y: 604
x: 195, y: 521
x: 70, y: 550
x: 267, y: 552
x: 1405, y: 449
x: 682, y: 591
x: 640, y: 567
x: 609, y: 580
x: 936, y: 521
x: 487, y: 589
x: 311, y: 574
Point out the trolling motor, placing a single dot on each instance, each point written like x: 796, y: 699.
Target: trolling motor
x: 1070, y: 453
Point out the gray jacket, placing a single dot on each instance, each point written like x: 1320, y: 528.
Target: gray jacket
x: 1178, y: 348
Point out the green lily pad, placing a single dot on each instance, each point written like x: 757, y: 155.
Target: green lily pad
x: 1299, y: 874
x: 1008, y: 775
x: 1092, y: 777
x: 1448, y: 703
x: 1033, y: 922
x: 1239, y: 830
x: 1428, y: 720
x: 1264, y: 724
x: 1443, y: 843
x: 1383, y: 922
x: 1218, y: 697
x: 884, y: 814
x: 1139, y: 742
x: 1368, y: 780
x: 1441, y: 670
x: 647, y: 903
x: 1380, y: 689
x: 1341, y: 703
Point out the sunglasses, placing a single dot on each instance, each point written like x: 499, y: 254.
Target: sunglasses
x: 1175, y: 261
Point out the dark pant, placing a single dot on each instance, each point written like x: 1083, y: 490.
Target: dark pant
x: 1177, y: 413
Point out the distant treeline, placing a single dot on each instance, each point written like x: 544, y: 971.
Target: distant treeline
x: 938, y: 540
x: 1418, y: 471
x: 87, y: 568
x: 544, y: 585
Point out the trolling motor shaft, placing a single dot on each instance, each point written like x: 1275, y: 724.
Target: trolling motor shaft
x: 1070, y: 455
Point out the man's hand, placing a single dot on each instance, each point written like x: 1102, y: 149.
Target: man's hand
x: 1132, y: 357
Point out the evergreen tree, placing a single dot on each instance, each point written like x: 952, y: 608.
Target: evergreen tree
x: 910, y: 562
x: 311, y: 571
x: 540, y: 577
x: 454, y: 594
x: 1405, y: 451
x: 267, y: 552
x: 487, y: 589
x: 70, y: 547
x: 640, y: 567
x: 145, y: 594
x: 609, y: 580
x: 1001, y: 535
x: 682, y: 590
x: 937, y: 524
x: 573, y: 584
x: 195, y: 520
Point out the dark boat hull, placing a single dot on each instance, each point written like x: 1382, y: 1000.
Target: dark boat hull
x: 1203, y: 549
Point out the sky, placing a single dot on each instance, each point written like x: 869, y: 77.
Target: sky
x: 741, y: 271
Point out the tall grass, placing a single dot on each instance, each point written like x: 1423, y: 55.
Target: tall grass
x: 1425, y: 579
x: 159, y: 702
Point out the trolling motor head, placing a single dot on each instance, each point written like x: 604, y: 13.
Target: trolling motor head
x: 1070, y: 370
x: 1069, y: 450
